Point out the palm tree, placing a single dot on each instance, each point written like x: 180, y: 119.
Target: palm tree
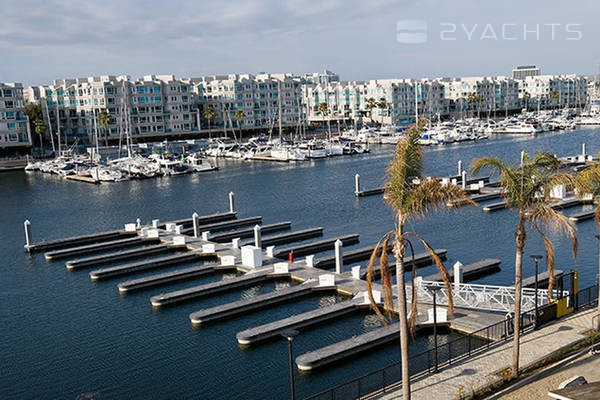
x: 324, y: 111
x: 40, y: 129
x: 474, y: 98
x: 382, y: 104
x: 238, y: 116
x: 104, y: 121
x: 526, y: 189
x: 370, y: 105
x: 555, y: 96
x: 526, y: 97
x: 587, y: 182
x: 209, y: 114
x: 409, y: 195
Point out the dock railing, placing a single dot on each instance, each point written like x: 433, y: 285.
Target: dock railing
x: 424, y: 363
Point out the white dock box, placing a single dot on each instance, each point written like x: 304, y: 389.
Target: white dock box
x: 252, y: 256
x: 130, y: 227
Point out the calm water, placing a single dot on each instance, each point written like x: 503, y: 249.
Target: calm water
x: 62, y: 336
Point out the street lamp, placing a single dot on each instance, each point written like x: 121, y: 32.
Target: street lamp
x: 536, y: 258
x: 434, y: 290
x: 290, y: 334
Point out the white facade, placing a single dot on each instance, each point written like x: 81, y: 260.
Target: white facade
x: 14, y: 124
x: 554, y: 91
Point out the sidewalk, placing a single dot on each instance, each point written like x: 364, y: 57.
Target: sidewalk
x: 478, y: 371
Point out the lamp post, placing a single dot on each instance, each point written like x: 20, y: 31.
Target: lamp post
x: 290, y: 334
x: 434, y: 290
x: 536, y: 258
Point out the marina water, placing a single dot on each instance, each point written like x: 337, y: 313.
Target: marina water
x: 71, y: 336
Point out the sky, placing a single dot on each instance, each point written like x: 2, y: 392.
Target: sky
x: 43, y: 40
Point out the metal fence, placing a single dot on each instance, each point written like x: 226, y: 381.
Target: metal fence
x: 390, y: 377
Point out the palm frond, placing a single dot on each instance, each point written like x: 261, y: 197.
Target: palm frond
x: 430, y: 195
x: 414, y: 312
x: 441, y: 268
x: 493, y: 164
x: 386, y: 281
x: 370, y: 270
x: 545, y: 216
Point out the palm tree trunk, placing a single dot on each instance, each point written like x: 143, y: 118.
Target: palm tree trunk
x: 399, y: 251
x: 106, y: 136
x: 520, y: 242
x: 209, y: 134
x: 42, y: 152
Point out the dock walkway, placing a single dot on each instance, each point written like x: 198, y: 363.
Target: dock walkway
x: 483, y: 369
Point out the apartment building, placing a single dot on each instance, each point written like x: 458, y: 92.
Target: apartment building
x: 553, y: 91
x: 258, y: 96
x: 15, y: 133
x: 153, y: 106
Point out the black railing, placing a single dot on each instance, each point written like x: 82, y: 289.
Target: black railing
x: 389, y: 377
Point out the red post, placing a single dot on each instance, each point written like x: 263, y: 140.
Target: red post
x: 291, y: 256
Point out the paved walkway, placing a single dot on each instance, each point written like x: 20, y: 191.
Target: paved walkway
x: 587, y: 366
x: 479, y: 371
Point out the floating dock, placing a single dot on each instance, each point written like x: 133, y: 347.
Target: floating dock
x: 79, y: 240
x: 179, y: 296
x: 346, y: 348
x: 92, y: 248
x: 313, y: 317
x: 529, y: 282
x: 203, y: 220
x: 501, y: 205
x: 582, y: 216
x: 315, y: 247
x: 119, y: 256
x: 349, y: 256
x: 290, y: 237
x: 167, y: 277
x: 566, y: 203
x: 126, y: 269
x: 246, y: 305
x: 471, y: 271
x: 222, y: 226
x: 246, y: 233
x: 421, y: 260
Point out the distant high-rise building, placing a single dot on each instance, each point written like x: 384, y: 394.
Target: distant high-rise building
x: 523, y: 71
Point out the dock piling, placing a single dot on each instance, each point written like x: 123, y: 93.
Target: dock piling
x: 195, y: 225
x: 339, y: 257
x: 522, y: 156
x: 583, y: 149
x: 231, y: 202
x: 464, y: 180
x: 27, y: 226
x: 138, y: 223
x: 155, y: 223
x: 458, y: 273
x: 459, y: 167
x: 356, y: 184
x: 257, y: 238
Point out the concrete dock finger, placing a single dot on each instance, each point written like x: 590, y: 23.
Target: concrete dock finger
x: 349, y: 256
x: 582, y: 216
x: 313, y: 317
x: 203, y: 220
x: 195, y: 292
x: 167, y: 277
x: 78, y: 240
x: 91, y: 248
x: 315, y: 247
x: 246, y: 233
x: 346, y: 348
x: 118, y: 256
x: 235, y: 308
x: 290, y: 237
x: 126, y: 269
x: 501, y: 205
x: 421, y: 260
x: 222, y: 226
x: 471, y: 271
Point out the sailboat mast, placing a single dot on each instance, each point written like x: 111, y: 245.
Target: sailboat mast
x: 279, y: 108
x: 50, y: 126
x: 58, y: 123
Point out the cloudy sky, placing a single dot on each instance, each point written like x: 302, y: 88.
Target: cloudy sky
x: 42, y: 40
